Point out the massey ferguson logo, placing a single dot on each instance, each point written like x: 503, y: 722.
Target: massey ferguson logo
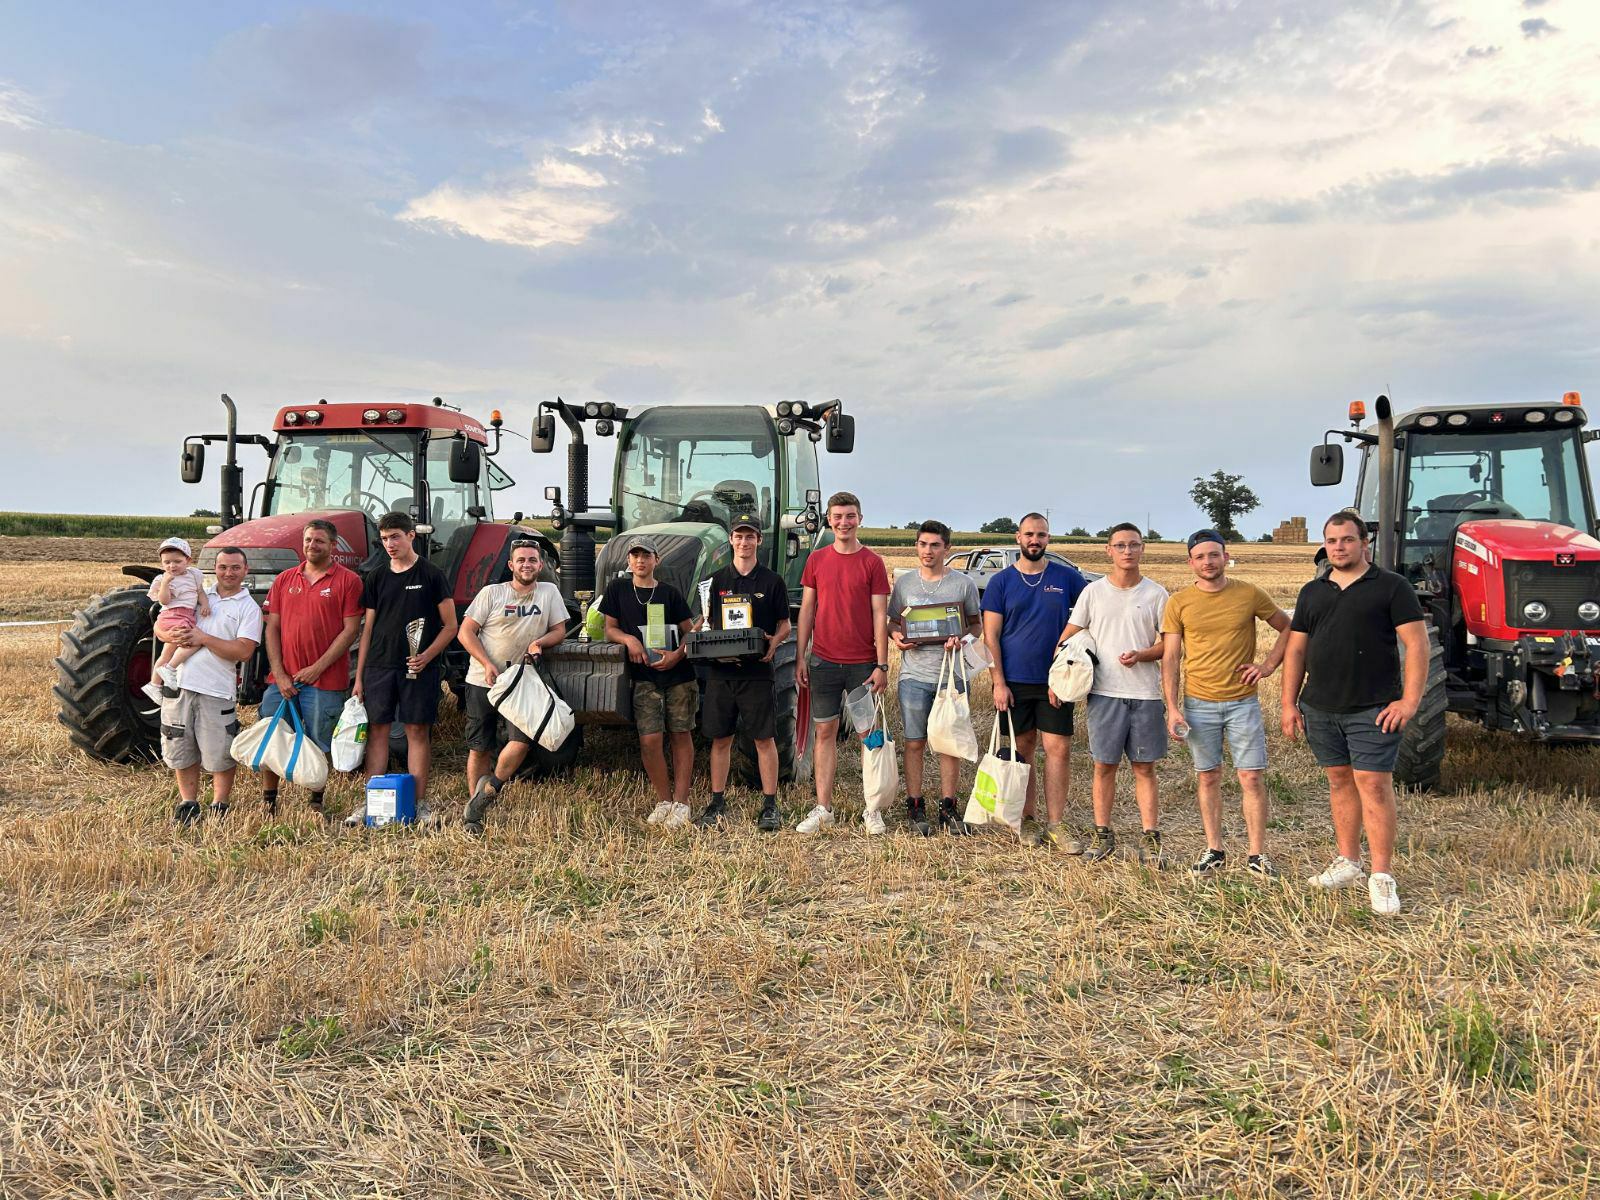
x: 1566, y: 558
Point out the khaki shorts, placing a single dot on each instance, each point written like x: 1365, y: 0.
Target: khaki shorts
x: 670, y: 711
x: 196, y: 728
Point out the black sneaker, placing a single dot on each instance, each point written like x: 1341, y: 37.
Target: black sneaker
x: 269, y: 801
x: 917, y: 818
x: 770, y: 820
x: 1209, y: 862
x: 187, y: 813
x: 219, y: 809
x: 950, y: 820
x: 1150, y: 854
x: 478, y: 804
x: 1262, y: 866
x: 712, y: 815
x: 1102, y: 845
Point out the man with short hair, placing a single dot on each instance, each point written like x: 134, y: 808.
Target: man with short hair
x: 1210, y: 629
x: 410, y: 619
x: 1354, y: 708
x: 650, y: 618
x: 1025, y: 607
x: 1122, y: 612
x: 843, y: 643
x: 930, y: 585
x: 313, y: 617
x: 505, y: 623
x: 200, y: 717
x: 745, y: 595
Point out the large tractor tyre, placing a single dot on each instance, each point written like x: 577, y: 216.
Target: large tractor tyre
x: 1422, y: 745
x: 795, y: 731
x: 104, y: 662
x: 548, y: 764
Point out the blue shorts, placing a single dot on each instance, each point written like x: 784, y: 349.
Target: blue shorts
x: 1239, y: 720
x: 916, y: 702
x: 319, y: 710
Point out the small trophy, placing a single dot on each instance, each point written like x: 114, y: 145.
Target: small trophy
x: 414, y: 640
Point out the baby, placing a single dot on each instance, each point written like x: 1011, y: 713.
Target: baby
x: 180, y: 589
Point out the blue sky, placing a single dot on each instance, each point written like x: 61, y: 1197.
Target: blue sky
x: 1063, y: 255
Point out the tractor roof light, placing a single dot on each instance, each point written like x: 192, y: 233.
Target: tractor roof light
x: 291, y: 418
x: 785, y: 426
x: 313, y: 417
x: 608, y: 410
x: 1572, y: 399
x: 1358, y: 411
x: 1428, y: 420
x: 394, y: 415
x: 1564, y: 415
x: 494, y: 418
x: 1534, y: 416
x: 1457, y: 419
x: 591, y: 410
x: 370, y: 416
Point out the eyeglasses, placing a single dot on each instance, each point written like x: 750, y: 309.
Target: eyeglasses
x: 1127, y: 547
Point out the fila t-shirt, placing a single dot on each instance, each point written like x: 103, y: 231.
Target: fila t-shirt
x: 510, y: 621
x: 311, y: 616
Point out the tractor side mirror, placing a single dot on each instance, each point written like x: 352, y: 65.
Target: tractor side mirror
x: 465, y: 461
x: 841, y: 433
x: 192, y: 466
x: 1327, y: 464
x: 544, y: 434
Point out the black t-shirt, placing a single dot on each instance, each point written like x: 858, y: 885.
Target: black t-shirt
x: 758, y: 600
x: 1352, y: 656
x: 628, y: 604
x: 396, y: 599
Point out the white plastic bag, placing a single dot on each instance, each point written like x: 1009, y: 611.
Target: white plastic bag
x: 950, y: 720
x: 348, y: 749
x: 282, y: 747
x: 880, y: 771
x: 1000, y: 791
x: 522, y: 697
x: 1072, y: 669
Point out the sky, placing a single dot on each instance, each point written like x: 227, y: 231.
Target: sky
x: 1059, y: 255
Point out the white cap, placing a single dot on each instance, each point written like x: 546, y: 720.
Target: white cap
x: 177, y: 543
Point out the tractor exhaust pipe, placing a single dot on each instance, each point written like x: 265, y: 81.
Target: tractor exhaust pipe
x: 1385, y: 551
x: 577, y: 543
x: 232, y: 476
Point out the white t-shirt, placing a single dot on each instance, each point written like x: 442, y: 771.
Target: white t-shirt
x: 1119, y: 620
x: 235, y: 616
x: 509, y: 622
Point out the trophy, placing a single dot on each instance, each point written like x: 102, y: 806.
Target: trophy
x: 414, y: 640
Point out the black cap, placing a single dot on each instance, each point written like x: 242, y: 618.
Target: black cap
x: 1205, y: 535
x: 745, y: 521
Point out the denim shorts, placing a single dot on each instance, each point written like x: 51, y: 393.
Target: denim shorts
x: 1119, y: 727
x: 1239, y: 720
x: 319, y: 710
x: 916, y: 703
x: 830, y: 681
x: 1351, y: 739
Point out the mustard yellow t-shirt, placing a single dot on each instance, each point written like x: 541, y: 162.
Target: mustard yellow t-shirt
x: 1219, y: 636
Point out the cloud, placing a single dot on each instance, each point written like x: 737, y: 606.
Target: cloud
x: 17, y: 108
x: 1536, y: 27
x: 532, y: 214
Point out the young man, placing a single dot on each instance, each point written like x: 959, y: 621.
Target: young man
x: 313, y: 616
x: 1354, y: 708
x: 504, y: 622
x: 650, y: 618
x: 200, y: 717
x: 932, y: 583
x: 1025, y: 607
x: 398, y: 670
x: 843, y: 643
x: 1122, y: 612
x: 1210, y: 628
x: 744, y: 595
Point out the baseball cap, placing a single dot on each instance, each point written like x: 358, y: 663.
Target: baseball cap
x: 178, y: 544
x: 745, y: 521
x: 1205, y: 535
x: 648, y: 545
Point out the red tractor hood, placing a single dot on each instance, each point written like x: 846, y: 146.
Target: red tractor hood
x: 1526, y: 541
x: 285, y: 533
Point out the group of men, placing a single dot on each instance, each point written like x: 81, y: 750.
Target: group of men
x: 1180, y: 666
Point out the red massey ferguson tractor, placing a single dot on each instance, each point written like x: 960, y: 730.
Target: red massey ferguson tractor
x: 349, y: 463
x: 1488, y: 511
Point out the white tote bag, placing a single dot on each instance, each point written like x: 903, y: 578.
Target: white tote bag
x: 880, y: 771
x: 1072, y: 669
x: 1000, y: 791
x: 522, y: 697
x: 282, y: 747
x: 349, y: 744
x: 950, y: 720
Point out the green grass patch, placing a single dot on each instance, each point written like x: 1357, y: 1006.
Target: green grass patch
x: 26, y: 524
x: 327, y: 925
x: 306, y: 1038
x: 1478, y: 1047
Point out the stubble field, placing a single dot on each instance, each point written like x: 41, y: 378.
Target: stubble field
x: 582, y: 1006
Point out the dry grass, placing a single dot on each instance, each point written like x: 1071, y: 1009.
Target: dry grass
x: 581, y: 1006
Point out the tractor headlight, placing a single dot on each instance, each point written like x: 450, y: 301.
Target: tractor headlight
x: 395, y: 415
x: 591, y: 410
x: 1457, y: 419
x: 313, y: 417
x: 370, y: 416
x: 1534, y: 416
x: 1428, y: 420
x: 1564, y: 415
x: 291, y: 418
x: 785, y: 426
x: 1537, y: 612
x: 1589, y: 612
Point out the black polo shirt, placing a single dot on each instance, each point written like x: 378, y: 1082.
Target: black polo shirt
x: 1352, y: 655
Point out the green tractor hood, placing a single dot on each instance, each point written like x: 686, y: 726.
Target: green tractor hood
x: 690, y: 552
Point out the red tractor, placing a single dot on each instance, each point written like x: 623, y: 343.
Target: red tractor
x: 349, y: 463
x: 1489, y: 512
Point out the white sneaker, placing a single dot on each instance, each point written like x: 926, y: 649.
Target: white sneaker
x: 873, y: 820
x: 1383, y: 893
x: 677, y: 815
x: 659, y: 813
x: 169, y: 676
x: 1340, y: 873
x: 358, y: 816
x: 817, y: 818
x: 153, y: 690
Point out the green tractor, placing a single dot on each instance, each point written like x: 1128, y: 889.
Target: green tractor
x: 681, y: 475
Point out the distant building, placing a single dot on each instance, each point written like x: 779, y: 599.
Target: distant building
x: 1292, y: 531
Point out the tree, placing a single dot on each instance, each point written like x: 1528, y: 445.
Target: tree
x: 1222, y: 498
x: 205, y: 512
x: 1104, y: 533
x: 998, y: 525
x: 1078, y: 531
x: 1265, y: 537
x: 912, y: 525
x: 1150, y: 535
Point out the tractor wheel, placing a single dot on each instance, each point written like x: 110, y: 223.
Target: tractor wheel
x: 546, y: 764
x: 104, y: 662
x: 1422, y: 744
x: 794, y: 727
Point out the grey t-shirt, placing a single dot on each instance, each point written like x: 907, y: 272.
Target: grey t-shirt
x: 510, y: 622
x: 911, y: 590
x: 1122, y: 619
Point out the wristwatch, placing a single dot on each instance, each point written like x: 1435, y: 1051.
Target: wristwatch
x: 884, y: 667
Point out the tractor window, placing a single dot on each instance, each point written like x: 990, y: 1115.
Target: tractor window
x: 694, y: 464
x: 447, y: 502
x: 367, y: 471
x: 800, y: 456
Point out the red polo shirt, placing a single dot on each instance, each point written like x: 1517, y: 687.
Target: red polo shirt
x: 311, y: 616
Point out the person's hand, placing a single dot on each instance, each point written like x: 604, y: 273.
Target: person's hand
x: 1294, y: 724
x: 772, y: 648
x: 1253, y: 673
x: 878, y: 681
x: 1175, y: 723
x: 1055, y: 700
x: 356, y: 688
x: 636, y: 652
x: 286, y: 684
x: 899, y: 640
x: 802, y: 672
x: 1002, y: 697
x: 952, y: 643
x: 670, y: 659
x: 1396, y: 716
x: 490, y: 674
x: 417, y: 663
x: 1128, y: 658
x: 305, y: 677
x: 535, y: 650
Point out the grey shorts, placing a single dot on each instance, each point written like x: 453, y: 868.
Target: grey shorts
x: 1351, y: 739
x: 1132, y: 729
x: 830, y: 681
x: 196, y: 728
